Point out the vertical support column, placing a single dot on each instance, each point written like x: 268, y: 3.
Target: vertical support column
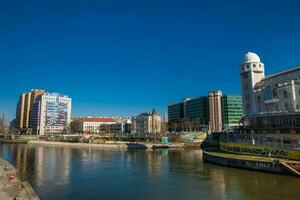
x: 293, y: 96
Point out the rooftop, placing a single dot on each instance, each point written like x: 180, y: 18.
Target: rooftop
x: 56, y: 94
x: 94, y: 119
x: 293, y: 69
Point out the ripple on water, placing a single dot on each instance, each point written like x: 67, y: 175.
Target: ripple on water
x: 69, y: 173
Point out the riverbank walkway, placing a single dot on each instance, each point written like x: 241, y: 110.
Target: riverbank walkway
x: 10, y: 185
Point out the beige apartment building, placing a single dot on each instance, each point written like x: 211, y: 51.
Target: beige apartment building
x: 24, y: 108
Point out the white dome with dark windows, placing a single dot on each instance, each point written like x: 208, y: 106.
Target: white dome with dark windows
x: 250, y: 57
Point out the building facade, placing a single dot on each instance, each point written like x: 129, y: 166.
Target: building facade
x: 104, y: 125
x: 232, y: 110
x: 51, y: 114
x: 276, y: 93
x: 175, y: 112
x: 147, y: 123
x: 24, y: 109
x: 197, y: 108
x: 215, y: 111
x: 35, y: 93
x: 273, y: 106
x: 96, y: 125
x: 190, y: 114
x: 22, y: 113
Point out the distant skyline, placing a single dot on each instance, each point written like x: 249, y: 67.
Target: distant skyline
x: 120, y: 58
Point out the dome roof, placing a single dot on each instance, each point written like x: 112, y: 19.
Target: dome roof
x: 250, y: 57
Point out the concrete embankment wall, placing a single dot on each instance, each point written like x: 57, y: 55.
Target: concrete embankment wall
x: 246, y: 164
x: 78, y: 145
x: 31, y: 193
x: 106, y: 145
x: 259, y: 150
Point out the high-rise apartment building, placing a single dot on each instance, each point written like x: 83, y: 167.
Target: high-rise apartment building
x: 51, y: 114
x: 215, y: 111
x: 34, y: 94
x: 22, y: 113
x: 24, y: 109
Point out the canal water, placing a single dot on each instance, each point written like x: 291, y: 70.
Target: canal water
x: 69, y: 173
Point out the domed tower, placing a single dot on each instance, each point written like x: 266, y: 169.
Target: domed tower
x: 252, y: 71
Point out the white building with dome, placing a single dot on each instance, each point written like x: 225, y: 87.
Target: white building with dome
x: 276, y: 93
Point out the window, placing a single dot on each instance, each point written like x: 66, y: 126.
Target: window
x: 248, y: 106
x: 285, y: 94
x: 258, y: 99
x: 286, y: 106
x: 248, y: 66
x: 268, y: 93
x: 247, y: 97
x: 254, y: 65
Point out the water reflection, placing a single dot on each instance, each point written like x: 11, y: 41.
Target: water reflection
x: 67, y: 173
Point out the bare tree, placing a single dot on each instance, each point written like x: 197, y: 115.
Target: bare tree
x: 75, y: 126
x: 164, y: 127
x: 4, y: 129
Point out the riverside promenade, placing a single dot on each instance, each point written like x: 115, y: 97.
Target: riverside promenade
x: 108, y: 145
x: 11, y: 186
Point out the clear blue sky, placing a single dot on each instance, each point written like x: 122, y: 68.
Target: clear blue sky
x: 124, y: 57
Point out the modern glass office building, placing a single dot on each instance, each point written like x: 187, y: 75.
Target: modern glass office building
x: 197, y: 108
x: 232, y: 109
x: 226, y: 111
x: 190, y: 114
x: 175, y: 112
